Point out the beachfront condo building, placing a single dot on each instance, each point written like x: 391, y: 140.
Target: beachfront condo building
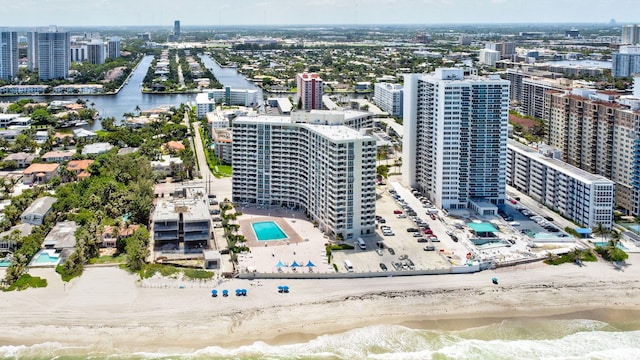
x: 32, y: 50
x: 54, y: 54
x: 8, y: 55
x: 598, y: 132
x: 113, y: 48
x: 626, y: 61
x: 310, y: 89
x: 389, y: 97
x: 579, y: 195
x: 455, y: 138
x: 327, y: 170
x: 181, y: 221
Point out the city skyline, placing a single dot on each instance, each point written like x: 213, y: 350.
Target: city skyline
x: 292, y: 12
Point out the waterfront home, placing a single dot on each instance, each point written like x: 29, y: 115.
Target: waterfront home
x: 59, y: 139
x: 38, y: 210
x: 110, y: 236
x: 62, y: 236
x: 58, y: 156
x: 81, y: 133
x: 40, y: 173
x: 23, y: 89
x: 22, y: 159
x: 7, y: 243
x: 78, y: 89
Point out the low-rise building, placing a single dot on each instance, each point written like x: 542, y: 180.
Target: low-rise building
x: 79, y: 89
x: 79, y: 167
x: 111, y: 234
x: 40, y: 173
x: 24, y: 89
x: 96, y: 148
x: 167, y: 165
x: 38, y: 210
x: 222, y: 141
x: 58, y: 156
x: 21, y: 159
x: 61, y: 237
x: 583, y: 197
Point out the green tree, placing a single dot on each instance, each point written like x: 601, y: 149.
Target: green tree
x: 137, y: 249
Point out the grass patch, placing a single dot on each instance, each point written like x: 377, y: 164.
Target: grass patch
x: 197, y: 274
x: 109, y: 259
x: 148, y: 270
x: 27, y: 281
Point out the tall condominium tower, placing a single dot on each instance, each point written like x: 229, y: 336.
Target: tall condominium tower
x: 8, y: 55
x: 328, y: 171
x: 626, y: 61
x: 176, y: 28
x: 309, y: 91
x: 32, y: 50
x: 54, y: 56
x: 455, y: 138
x: 113, y: 48
x: 631, y: 34
x: 95, y: 52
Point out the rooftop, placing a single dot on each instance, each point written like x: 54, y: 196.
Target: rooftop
x: 40, y: 168
x: 40, y: 206
x: 62, y: 235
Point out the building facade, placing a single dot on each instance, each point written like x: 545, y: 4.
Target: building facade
x: 310, y: 89
x: 32, y: 50
x: 626, y: 61
x: 8, y: 55
x: 113, y: 48
x: 54, y: 56
x: 182, y: 221
x: 389, y: 97
x: 95, y: 52
x: 599, y: 135
x: 489, y: 57
x: 631, y: 34
x: 585, y: 198
x: 455, y: 138
x: 327, y: 171
x: 206, y: 101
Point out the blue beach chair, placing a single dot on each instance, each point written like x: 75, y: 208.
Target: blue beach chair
x: 214, y: 293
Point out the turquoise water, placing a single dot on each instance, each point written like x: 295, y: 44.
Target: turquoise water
x: 5, y: 263
x: 268, y: 230
x: 507, y: 339
x: 45, y: 258
x: 605, y: 243
x: 635, y: 227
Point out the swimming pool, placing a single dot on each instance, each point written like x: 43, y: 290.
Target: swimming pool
x: 45, y: 258
x: 605, y: 243
x: 268, y: 231
x: 5, y: 263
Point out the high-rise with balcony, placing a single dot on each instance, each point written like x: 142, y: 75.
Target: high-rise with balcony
x: 389, y: 97
x: 309, y: 91
x: 8, y: 55
x: 626, y: 61
x: 54, y: 57
x: 631, y: 34
x: 32, y: 50
x: 323, y: 168
x: 95, y: 52
x: 113, y: 48
x: 455, y: 138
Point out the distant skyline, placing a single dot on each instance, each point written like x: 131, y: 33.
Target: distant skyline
x: 39, y: 13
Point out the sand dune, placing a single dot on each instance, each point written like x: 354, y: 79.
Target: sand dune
x: 110, y: 307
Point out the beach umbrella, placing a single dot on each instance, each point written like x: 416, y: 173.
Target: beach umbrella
x: 295, y: 264
x: 279, y: 264
x: 310, y: 264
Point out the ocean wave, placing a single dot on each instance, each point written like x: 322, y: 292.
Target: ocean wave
x: 523, y: 339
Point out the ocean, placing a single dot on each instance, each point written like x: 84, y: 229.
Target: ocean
x: 505, y: 339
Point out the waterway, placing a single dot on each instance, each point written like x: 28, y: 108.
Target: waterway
x: 130, y: 96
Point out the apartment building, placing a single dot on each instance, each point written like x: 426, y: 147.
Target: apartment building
x: 455, y: 136
x: 310, y: 89
x: 626, y: 61
x: 8, y: 55
x: 631, y: 34
x: 598, y: 134
x: 489, y: 57
x: 181, y: 221
x: 206, y: 101
x: 328, y: 171
x: 54, y: 58
x: 113, y: 48
x: 585, y: 198
x: 389, y: 97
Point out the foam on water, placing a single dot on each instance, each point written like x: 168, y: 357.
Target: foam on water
x: 511, y: 339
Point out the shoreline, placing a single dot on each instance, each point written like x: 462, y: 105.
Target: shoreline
x: 111, y: 307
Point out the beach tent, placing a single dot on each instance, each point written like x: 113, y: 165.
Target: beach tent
x: 310, y: 264
x: 279, y: 264
x: 295, y: 264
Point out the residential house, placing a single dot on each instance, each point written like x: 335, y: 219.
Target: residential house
x: 167, y: 165
x: 96, y: 149
x: 58, y: 156
x: 42, y: 136
x: 109, y: 236
x: 79, y: 167
x: 7, y: 243
x: 81, y: 133
x: 173, y: 146
x: 38, y: 210
x: 62, y: 236
x: 40, y: 173
x: 22, y: 159
x: 59, y: 139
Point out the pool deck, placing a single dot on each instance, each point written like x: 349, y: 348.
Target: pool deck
x: 247, y: 230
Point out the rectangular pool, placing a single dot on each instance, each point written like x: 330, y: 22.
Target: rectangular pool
x: 268, y: 231
x: 45, y: 257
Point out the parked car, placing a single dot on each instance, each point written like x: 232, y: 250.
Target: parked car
x: 401, y: 216
x: 434, y: 238
x: 422, y: 240
x: 383, y: 267
x: 211, y: 196
x: 454, y: 238
x: 429, y: 248
x: 397, y: 265
x: 433, y: 217
x: 548, y: 218
x: 412, y: 230
x: 397, y: 212
x: 391, y: 251
x: 382, y: 221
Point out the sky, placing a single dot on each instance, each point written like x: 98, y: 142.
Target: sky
x: 40, y: 13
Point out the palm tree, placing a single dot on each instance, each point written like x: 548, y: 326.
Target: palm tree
x: 601, y: 231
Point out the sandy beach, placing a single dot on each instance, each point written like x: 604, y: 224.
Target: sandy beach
x: 108, y: 307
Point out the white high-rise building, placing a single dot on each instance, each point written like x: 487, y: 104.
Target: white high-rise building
x: 54, y: 58
x: 328, y: 171
x: 489, y: 57
x: 631, y: 34
x: 455, y: 138
x: 113, y: 48
x: 8, y: 55
x: 389, y: 98
x: 626, y: 61
x: 310, y: 88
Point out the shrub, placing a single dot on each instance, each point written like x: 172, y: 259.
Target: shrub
x: 197, y: 274
x: 148, y: 270
x: 342, y: 247
x: 27, y: 281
